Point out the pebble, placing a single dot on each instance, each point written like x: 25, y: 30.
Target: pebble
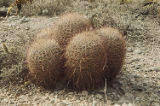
x: 47, y: 98
x: 45, y: 12
x: 12, y: 18
x: 3, y: 40
x: 99, y: 96
x: 23, y: 20
x: 37, y: 98
x: 52, y: 101
x: 123, y: 100
x: 70, y: 93
x: 138, y: 66
x: 138, y: 51
x: 12, y: 102
x: 81, y: 98
x: 139, y: 88
x: 130, y: 50
x: 77, y: 97
x: 27, y: 28
x: 94, y: 103
x: 85, y: 93
x: 155, y: 104
x: 42, y: 101
x: 134, y: 60
x: 156, y: 69
x: 61, y: 104
x: 1, y: 18
x: 129, y: 96
x: 129, y: 104
x: 5, y: 100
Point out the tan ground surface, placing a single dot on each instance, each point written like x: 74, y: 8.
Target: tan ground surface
x: 138, y: 84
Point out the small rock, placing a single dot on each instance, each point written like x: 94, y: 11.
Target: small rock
x: 144, y: 84
x: 2, y: 40
x: 156, y: 69
x: 23, y: 99
x: 139, y: 88
x: 70, y: 93
x: 41, y: 102
x: 138, y: 51
x: 99, y: 96
x: 61, y: 104
x: 155, y: 104
x: 138, y: 66
x: 45, y: 12
x: 123, y: 100
x: 129, y: 96
x: 23, y: 20
x: 12, y: 102
x: 77, y: 97
x: 130, y: 50
x: 37, y: 98
x: 5, y: 101
x: 134, y: 60
x: 27, y: 28
x: 81, y: 98
x: 136, y: 76
x: 127, y: 104
x: 94, y: 103
x: 12, y: 18
x: 85, y: 93
x: 1, y: 18
x: 52, y: 101
x: 47, y: 98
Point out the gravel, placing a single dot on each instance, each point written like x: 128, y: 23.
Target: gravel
x: 138, y: 83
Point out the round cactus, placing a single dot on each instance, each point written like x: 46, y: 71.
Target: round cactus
x: 44, y: 62
x: 85, y: 61
x: 116, y: 50
x: 68, y: 25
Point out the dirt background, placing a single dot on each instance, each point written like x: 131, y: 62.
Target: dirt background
x: 139, y: 81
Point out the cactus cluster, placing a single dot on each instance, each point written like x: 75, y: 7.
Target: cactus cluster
x: 72, y: 48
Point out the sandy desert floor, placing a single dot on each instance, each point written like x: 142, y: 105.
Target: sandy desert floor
x: 137, y: 85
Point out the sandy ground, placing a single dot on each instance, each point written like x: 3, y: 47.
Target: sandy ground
x: 137, y: 85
